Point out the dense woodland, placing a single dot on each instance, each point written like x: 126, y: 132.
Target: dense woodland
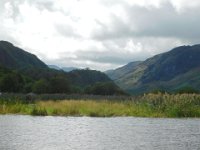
x: 42, y: 81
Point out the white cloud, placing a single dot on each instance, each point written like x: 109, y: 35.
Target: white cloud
x: 184, y: 5
x: 133, y: 47
x: 100, y: 34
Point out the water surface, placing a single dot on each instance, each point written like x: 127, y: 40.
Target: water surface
x: 85, y: 133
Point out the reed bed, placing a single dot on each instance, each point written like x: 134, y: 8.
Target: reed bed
x: 148, y: 105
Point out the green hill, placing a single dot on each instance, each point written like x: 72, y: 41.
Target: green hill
x: 23, y: 72
x: 14, y: 57
x: 168, y: 71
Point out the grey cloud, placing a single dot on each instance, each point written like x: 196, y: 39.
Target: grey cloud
x: 103, y: 57
x: 117, y: 29
x: 164, y: 21
x: 109, y: 56
x: 14, y: 7
x: 157, y: 29
x: 81, y: 62
x: 15, y: 4
x: 114, y: 52
x: 43, y: 4
x: 7, y: 34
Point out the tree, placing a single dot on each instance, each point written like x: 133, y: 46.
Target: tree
x: 106, y: 88
x: 59, y: 85
x: 41, y: 86
x: 12, y: 82
x: 187, y: 89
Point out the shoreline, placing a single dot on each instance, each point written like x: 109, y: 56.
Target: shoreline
x: 140, y: 117
x: 148, y: 106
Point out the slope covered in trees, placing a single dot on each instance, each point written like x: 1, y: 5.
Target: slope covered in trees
x: 22, y: 72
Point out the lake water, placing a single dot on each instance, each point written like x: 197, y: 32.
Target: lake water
x: 86, y: 133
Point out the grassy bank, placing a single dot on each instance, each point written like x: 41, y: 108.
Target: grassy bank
x: 150, y: 105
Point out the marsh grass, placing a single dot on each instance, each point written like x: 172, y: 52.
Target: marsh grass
x: 149, y: 105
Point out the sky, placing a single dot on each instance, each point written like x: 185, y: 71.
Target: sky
x: 99, y: 34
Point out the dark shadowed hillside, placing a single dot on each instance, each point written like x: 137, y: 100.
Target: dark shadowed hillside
x: 14, y: 57
x: 87, y: 77
x: 23, y: 72
x: 175, y: 62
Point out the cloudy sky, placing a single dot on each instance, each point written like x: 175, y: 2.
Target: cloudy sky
x: 100, y: 34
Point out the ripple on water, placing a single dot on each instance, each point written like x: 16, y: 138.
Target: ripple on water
x: 86, y: 133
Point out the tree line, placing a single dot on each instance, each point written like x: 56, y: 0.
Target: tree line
x: 45, y: 81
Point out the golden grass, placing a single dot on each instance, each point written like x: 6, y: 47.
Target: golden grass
x: 150, y: 105
x: 101, y: 108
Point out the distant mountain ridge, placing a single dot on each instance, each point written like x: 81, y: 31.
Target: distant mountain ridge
x: 54, y: 67
x: 168, y: 71
x: 14, y: 57
x: 66, y: 69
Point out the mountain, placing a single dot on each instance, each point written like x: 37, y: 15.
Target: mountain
x: 87, y: 77
x: 68, y: 69
x: 170, y: 71
x: 16, y: 58
x: 54, y: 67
x: 23, y: 72
x: 120, y: 72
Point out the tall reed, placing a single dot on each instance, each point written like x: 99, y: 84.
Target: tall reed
x: 148, y: 105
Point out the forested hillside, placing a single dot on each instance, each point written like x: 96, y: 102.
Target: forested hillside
x: 22, y: 72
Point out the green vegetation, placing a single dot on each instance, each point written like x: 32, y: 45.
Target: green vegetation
x: 42, y: 81
x: 106, y: 88
x: 16, y: 58
x: 174, y: 72
x: 187, y: 89
x: 149, y: 105
x: 23, y: 72
x: 169, y: 71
